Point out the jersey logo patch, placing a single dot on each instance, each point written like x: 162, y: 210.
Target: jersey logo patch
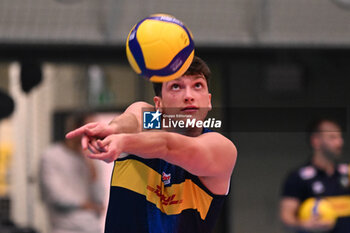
x: 318, y: 187
x: 307, y: 173
x: 343, y: 169
x: 166, y: 178
x: 165, y: 200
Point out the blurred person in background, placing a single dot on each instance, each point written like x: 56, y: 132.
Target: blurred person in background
x: 70, y: 186
x: 322, y: 178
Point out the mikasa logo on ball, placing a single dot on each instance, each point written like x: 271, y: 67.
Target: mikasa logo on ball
x: 176, y: 64
x: 170, y: 19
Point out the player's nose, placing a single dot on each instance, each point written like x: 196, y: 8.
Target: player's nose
x: 188, y: 95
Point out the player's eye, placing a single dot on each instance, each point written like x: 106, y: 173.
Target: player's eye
x: 175, y: 86
x: 198, y: 85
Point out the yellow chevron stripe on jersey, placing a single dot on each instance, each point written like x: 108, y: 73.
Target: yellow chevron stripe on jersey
x: 138, y: 177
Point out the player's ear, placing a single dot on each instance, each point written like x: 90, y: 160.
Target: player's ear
x: 158, y: 102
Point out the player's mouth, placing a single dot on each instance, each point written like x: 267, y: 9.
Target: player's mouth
x: 189, y: 109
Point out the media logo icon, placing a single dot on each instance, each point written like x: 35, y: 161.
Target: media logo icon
x: 151, y: 120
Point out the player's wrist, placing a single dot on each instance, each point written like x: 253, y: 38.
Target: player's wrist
x: 114, y: 128
x: 125, y: 141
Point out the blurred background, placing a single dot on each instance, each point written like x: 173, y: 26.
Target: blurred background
x: 266, y: 56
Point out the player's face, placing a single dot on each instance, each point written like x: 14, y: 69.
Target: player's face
x: 330, y: 140
x: 187, y: 95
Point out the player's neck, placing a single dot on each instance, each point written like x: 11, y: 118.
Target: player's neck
x: 321, y: 162
x: 193, y: 132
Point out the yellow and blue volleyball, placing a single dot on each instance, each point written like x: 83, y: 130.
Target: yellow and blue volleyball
x: 317, y: 207
x: 160, y: 48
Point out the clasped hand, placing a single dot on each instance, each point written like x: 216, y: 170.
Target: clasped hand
x: 98, y: 141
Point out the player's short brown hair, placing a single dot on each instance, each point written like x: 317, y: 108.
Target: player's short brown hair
x: 198, y: 66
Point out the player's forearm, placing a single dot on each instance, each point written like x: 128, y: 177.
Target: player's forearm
x: 130, y: 120
x: 125, y: 123
x: 146, y: 144
x: 290, y: 220
x: 288, y: 212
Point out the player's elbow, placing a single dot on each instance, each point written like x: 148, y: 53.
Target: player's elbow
x: 224, y: 161
x: 217, y: 163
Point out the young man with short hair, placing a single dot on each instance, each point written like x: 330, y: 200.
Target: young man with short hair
x: 173, y: 180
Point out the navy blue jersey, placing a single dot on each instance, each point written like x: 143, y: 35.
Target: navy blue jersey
x: 309, y: 181
x: 153, y: 196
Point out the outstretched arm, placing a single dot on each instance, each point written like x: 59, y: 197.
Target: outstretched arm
x: 208, y: 155
x: 128, y: 122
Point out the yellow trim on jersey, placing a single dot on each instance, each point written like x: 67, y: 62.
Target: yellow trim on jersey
x: 138, y: 177
x: 341, y: 205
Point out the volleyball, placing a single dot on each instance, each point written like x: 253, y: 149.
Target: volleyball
x: 160, y: 48
x: 317, y: 207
